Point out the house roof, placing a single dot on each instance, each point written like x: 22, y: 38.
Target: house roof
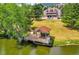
x: 51, y: 10
x: 44, y: 29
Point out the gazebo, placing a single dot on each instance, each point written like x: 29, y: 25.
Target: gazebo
x: 40, y: 36
x: 43, y: 30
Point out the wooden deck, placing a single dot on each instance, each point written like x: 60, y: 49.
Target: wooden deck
x: 37, y: 39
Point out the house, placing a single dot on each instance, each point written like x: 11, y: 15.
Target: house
x: 51, y: 13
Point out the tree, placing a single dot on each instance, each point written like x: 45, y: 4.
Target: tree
x: 38, y: 10
x: 70, y: 15
x: 14, y: 19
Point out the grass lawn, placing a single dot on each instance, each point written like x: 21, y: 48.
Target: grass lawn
x: 58, y: 30
x: 62, y: 34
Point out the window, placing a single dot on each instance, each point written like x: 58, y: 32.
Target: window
x: 46, y: 10
x: 51, y: 10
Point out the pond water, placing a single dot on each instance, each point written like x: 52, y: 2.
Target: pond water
x: 8, y: 47
x: 65, y: 50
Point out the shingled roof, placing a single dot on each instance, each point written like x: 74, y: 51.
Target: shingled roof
x: 43, y: 29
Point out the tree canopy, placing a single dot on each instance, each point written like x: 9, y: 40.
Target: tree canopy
x: 38, y: 10
x: 14, y: 19
x: 70, y: 14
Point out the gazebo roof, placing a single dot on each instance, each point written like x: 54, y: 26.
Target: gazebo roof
x: 43, y: 29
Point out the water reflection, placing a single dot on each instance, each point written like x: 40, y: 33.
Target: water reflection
x: 70, y: 50
x: 65, y: 50
x: 55, y: 51
x: 6, y: 48
x: 41, y: 50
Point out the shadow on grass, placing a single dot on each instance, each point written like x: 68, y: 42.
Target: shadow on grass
x: 72, y: 28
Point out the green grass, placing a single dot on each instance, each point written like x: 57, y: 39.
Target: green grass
x: 58, y: 30
x: 59, y: 43
x: 63, y: 35
x: 66, y: 42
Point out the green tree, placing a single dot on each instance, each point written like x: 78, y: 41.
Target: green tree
x: 14, y: 19
x: 70, y: 15
x: 38, y: 10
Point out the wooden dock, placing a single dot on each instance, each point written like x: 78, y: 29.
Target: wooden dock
x: 37, y: 39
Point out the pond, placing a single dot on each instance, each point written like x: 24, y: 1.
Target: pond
x: 65, y: 50
x: 9, y: 47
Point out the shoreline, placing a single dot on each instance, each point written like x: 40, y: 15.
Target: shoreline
x: 59, y: 43
x: 67, y: 45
